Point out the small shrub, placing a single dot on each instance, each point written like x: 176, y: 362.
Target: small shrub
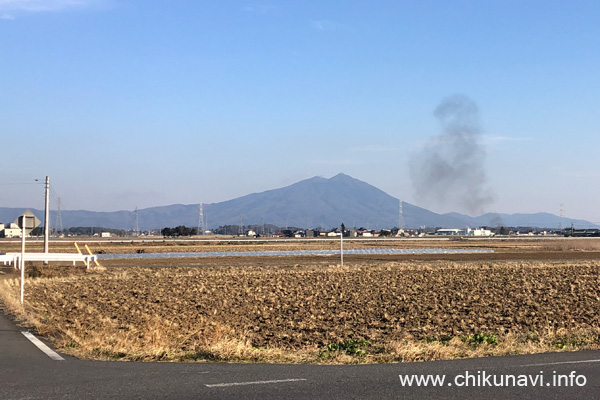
x: 111, y: 355
x: 351, y: 347
x: 564, y: 341
x: 445, y: 339
x: 480, y: 338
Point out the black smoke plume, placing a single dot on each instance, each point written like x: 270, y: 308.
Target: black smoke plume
x: 450, y: 169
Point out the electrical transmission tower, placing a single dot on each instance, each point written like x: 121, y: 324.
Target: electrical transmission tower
x: 562, y: 215
x: 136, y: 230
x: 59, y: 223
x: 400, y: 215
x: 201, y: 221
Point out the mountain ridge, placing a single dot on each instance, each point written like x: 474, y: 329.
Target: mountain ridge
x: 309, y: 203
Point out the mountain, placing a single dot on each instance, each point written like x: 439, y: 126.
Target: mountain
x: 542, y: 220
x: 322, y: 202
x: 310, y: 203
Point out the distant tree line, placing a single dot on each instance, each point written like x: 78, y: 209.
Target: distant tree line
x: 39, y: 231
x: 91, y: 230
x: 180, y: 230
x: 264, y: 229
x: 80, y: 231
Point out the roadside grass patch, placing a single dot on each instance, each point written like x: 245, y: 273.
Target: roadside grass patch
x: 480, y: 338
x: 352, y: 347
x: 444, y: 339
x: 562, y: 342
x: 108, y: 354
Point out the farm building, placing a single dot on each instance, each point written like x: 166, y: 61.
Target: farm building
x: 12, y: 231
x: 480, y: 232
x: 448, y: 231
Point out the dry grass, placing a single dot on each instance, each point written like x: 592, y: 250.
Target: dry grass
x: 156, y: 245
x: 574, y: 244
x: 315, y: 314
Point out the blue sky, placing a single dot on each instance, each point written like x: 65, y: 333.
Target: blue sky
x: 127, y: 103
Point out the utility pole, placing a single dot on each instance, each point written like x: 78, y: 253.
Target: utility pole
x: 27, y: 222
x: 22, y: 259
x: 47, y: 216
x: 342, y: 228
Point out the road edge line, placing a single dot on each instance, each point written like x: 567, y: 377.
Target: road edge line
x: 560, y: 363
x: 253, y: 383
x: 45, y: 349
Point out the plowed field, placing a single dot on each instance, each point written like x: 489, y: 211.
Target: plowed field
x: 362, y: 312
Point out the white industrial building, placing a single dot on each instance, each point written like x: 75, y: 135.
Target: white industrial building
x: 480, y: 232
x: 10, y: 231
x: 450, y: 231
x: 467, y: 232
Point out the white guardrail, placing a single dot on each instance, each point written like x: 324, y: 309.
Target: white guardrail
x: 14, y: 258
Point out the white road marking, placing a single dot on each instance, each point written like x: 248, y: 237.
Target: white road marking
x: 559, y: 363
x: 47, y: 350
x: 254, y: 383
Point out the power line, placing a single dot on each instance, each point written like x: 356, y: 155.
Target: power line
x: 21, y: 183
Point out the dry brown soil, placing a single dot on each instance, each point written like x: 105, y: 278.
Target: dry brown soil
x: 529, y: 295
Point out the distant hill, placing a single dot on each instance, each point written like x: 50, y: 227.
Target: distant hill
x: 539, y: 220
x: 310, y: 203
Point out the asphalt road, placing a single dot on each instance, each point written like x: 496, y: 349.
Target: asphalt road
x: 28, y: 373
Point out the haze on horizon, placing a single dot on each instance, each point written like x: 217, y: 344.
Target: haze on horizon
x: 127, y: 103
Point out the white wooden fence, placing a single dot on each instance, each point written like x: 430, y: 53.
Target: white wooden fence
x: 14, y: 258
